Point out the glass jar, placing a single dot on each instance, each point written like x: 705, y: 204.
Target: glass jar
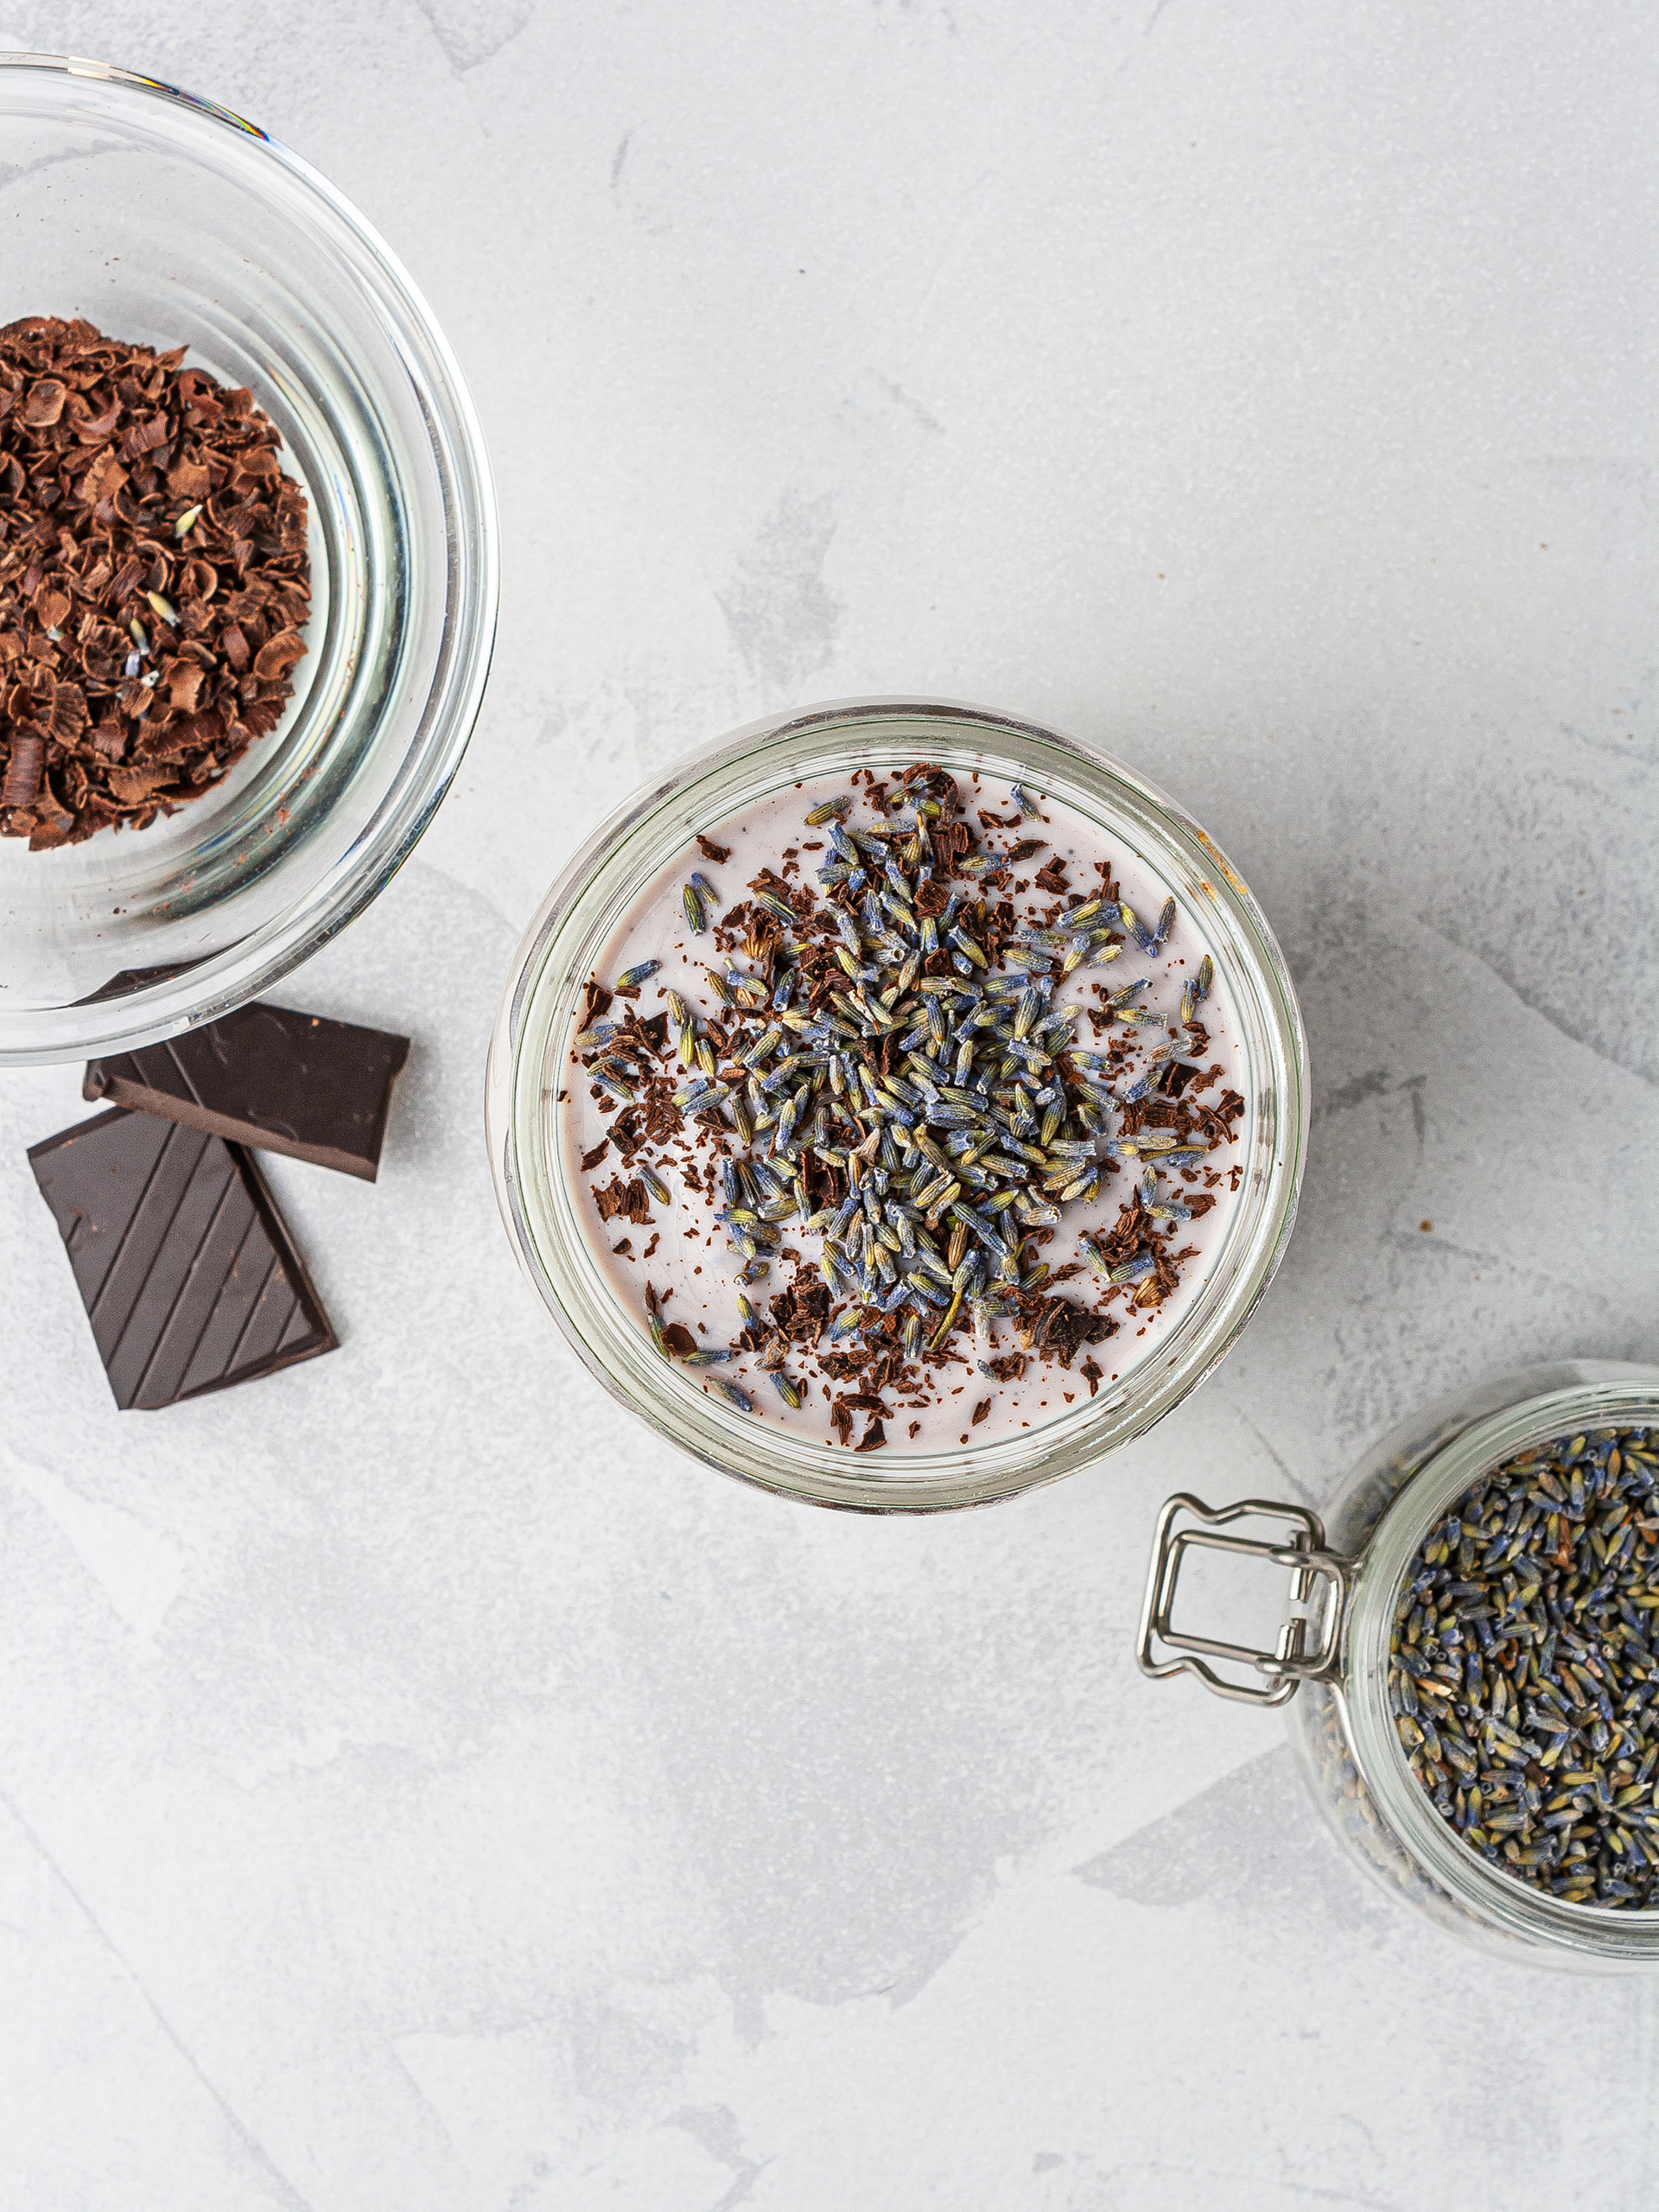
x: 1329, y: 1665
x: 542, y: 1010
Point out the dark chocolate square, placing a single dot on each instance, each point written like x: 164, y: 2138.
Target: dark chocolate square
x: 188, y: 1275
x: 271, y: 1076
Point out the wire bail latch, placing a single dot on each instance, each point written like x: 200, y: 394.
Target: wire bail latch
x: 1313, y: 1609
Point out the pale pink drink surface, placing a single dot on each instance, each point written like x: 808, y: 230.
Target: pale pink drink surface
x: 683, y: 1251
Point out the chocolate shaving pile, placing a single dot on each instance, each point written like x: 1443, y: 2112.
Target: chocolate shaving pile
x: 154, y: 581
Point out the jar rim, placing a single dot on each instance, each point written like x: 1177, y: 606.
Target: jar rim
x: 1619, y: 1394
x: 542, y: 1001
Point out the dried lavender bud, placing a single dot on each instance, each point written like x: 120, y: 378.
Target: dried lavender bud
x: 1522, y: 1669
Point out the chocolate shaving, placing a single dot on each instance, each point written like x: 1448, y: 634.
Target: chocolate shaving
x: 617, y: 1198
x: 22, y: 778
x: 44, y: 404
x: 1175, y: 1078
x: 1056, y: 1326
x: 801, y: 1310
x: 1209, y: 1119
x: 154, y: 581
x: 1024, y: 850
x: 679, y: 1339
x: 718, y: 854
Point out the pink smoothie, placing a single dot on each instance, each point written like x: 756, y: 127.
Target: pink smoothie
x: 684, y: 1252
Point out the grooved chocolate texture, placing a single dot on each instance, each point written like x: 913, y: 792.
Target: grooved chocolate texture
x: 271, y: 1076
x: 189, y: 1277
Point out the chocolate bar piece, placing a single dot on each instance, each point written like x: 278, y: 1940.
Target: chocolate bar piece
x: 188, y: 1275
x: 267, y: 1076
x: 126, y: 980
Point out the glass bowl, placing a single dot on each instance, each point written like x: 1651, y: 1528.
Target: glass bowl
x: 542, y: 1010
x: 164, y: 219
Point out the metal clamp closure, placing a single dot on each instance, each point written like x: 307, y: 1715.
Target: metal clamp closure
x: 1291, y: 1663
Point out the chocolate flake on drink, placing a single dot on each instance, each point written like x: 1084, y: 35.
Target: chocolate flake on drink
x: 884, y: 1104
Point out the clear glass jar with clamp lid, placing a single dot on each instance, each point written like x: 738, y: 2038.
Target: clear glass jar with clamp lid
x: 1469, y: 1658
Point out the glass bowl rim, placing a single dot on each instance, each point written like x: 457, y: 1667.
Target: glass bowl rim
x: 513, y: 1088
x: 443, y: 718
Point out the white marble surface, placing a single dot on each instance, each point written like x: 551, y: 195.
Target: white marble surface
x: 419, y: 1789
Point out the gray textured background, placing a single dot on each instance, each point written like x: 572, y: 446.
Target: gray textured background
x: 422, y: 1790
